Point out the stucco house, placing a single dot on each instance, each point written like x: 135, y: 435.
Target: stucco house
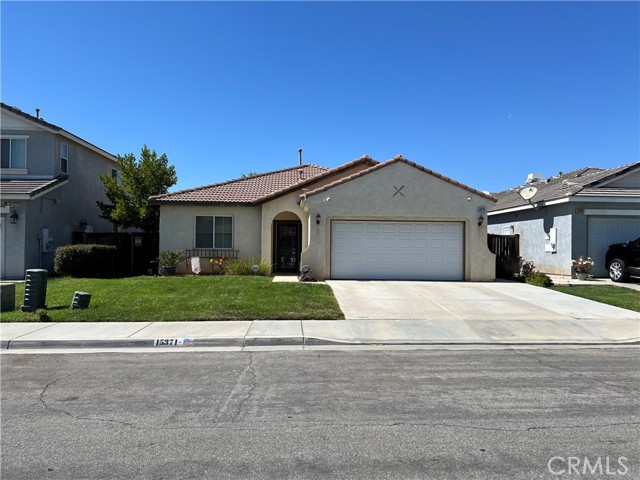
x: 571, y: 214
x: 362, y: 220
x: 49, y: 186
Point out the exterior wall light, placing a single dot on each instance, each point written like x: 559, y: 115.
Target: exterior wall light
x: 480, y: 220
x: 318, y: 219
x: 83, y: 225
x: 13, y: 218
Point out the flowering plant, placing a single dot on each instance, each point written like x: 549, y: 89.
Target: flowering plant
x: 582, y: 264
x: 218, y: 262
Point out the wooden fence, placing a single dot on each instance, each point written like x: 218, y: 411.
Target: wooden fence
x: 504, y: 246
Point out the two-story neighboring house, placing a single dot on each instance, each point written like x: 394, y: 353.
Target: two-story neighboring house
x: 48, y: 189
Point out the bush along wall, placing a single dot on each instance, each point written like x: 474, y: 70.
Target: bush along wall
x: 93, y: 261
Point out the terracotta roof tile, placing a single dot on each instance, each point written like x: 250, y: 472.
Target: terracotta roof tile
x: 257, y: 188
x: 244, y: 190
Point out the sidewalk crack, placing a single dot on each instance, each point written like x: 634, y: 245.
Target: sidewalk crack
x: 141, y: 328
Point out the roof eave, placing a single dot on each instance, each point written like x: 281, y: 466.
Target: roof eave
x: 57, y: 130
x: 201, y: 203
x: 396, y: 159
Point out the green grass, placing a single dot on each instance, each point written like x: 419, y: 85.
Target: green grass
x: 162, y: 299
x: 616, y: 296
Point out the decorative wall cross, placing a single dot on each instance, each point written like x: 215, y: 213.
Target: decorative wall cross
x: 398, y: 190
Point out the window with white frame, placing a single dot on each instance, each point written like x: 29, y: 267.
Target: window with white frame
x: 64, y: 158
x: 214, y: 232
x: 14, y: 153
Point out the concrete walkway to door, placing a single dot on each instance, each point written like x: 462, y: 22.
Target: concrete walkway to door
x: 496, y: 311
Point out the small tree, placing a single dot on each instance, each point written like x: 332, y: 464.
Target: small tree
x: 129, y: 192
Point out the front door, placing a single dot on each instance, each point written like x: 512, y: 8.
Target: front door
x: 287, y: 246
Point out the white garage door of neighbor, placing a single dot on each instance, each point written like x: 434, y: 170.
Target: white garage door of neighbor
x: 603, y: 231
x: 397, y: 250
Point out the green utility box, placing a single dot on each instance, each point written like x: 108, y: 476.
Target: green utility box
x: 35, y: 290
x: 81, y: 300
x: 8, y: 293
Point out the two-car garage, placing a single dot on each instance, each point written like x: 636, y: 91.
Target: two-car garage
x: 398, y: 220
x: 379, y: 250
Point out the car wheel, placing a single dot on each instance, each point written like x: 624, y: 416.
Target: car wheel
x: 617, y: 270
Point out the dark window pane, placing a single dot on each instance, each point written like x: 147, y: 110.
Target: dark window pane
x: 204, y: 232
x: 224, y: 232
x: 5, y: 153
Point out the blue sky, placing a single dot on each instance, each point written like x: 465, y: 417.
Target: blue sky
x: 481, y: 92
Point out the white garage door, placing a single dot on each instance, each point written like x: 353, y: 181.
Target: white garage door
x: 603, y: 231
x: 397, y: 250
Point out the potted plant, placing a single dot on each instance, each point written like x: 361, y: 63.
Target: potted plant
x: 168, y: 261
x: 582, y: 266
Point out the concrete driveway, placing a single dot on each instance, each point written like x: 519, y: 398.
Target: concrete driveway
x: 496, y: 311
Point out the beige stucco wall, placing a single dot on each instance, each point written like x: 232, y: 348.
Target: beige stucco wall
x: 252, y: 225
x: 287, y: 207
x: 178, y: 227
x: 284, y: 208
x: 426, y: 198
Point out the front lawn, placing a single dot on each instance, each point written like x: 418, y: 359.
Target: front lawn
x: 616, y: 296
x: 162, y: 299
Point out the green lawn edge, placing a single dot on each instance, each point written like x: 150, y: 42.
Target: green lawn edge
x: 182, y: 298
x: 609, y: 294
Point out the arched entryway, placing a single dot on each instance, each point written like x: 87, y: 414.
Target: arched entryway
x: 287, y: 242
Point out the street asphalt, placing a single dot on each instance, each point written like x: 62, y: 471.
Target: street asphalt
x: 377, y: 313
x: 510, y: 414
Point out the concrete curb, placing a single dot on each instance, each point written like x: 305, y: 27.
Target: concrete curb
x: 277, y: 341
x: 116, y: 343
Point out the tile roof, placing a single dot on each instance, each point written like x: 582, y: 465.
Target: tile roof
x: 256, y: 188
x: 583, y: 181
x: 31, y: 188
x: 247, y: 190
x: 399, y: 158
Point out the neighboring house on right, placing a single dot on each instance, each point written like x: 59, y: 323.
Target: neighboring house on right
x: 571, y: 214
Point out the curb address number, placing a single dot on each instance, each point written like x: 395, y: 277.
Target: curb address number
x: 173, y: 342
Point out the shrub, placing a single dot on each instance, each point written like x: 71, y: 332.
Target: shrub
x: 526, y: 269
x: 92, y: 261
x: 514, y: 268
x: 171, y: 259
x: 239, y: 266
x: 539, y: 279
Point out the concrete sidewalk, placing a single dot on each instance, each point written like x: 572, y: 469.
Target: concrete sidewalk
x: 176, y: 335
x: 378, y: 313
